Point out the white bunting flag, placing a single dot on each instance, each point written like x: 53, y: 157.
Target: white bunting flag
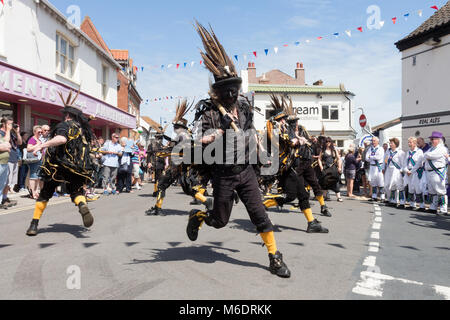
x: 192, y: 63
x: 245, y: 57
x: 348, y: 32
x: 420, y: 12
x: 275, y: 49
x: 307, y: 41
x: 381, y: 24
x: 169, y: 66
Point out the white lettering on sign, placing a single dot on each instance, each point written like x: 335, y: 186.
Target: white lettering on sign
x: 52, y: 96
x: 31, y: 87
x: 17, y: 83
x: 4, y: 80
x: 44, y: 88
x: 307, y: 113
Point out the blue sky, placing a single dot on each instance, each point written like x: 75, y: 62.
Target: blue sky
x: 161, y: 33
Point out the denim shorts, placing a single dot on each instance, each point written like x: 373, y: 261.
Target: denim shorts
x: 34, y: 170
x: 350, y: 174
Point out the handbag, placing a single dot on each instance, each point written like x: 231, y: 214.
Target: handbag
x: 29, y: 157
x: 125, y: 167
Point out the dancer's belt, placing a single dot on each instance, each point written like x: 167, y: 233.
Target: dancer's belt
x: 230, y: 170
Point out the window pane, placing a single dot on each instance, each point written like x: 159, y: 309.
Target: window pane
x: 325, y: 112
x: 334, y: 114
x: 104, y: 75
x: 57, y: 42
x: 340, y: 143
x: 62, y: 62
x: 71, y: 52
x: 63, y: 46
x: 71, y: 68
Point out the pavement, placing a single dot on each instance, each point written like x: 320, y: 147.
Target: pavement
x: 371, y: 252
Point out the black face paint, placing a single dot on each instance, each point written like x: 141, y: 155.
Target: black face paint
x: 228, y: 94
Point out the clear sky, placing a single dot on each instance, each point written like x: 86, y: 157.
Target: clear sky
x: 161, y: 32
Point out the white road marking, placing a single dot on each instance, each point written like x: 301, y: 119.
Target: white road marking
x: 370, y: 261
x: 444, y: 291
x: 376, y: 226
x: 375, y: 235
x: 374, y: 246
x: 378, y: 219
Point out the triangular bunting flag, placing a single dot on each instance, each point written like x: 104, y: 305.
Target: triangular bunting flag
x: 254, y: 53
x: 394, y: 20
x: 236, y: 57
x: 419, y: 12
x: 275, y: 49
x: 297, y: 43
x: 381, y: 24
x: 308, y: 41
x: 142, y: 68
x: 245, y: 57
x: 406, y: 15
x: 360, y: 29
x: 348, y: 32
x: 185, y: 64
x: 192, y: 63
x: 178, y: 65
x: 266, y: 51
x: 169, y: 66
x: 285, y: 45
x: 336, y: 34
x: 319, y: 38
x: 434, y: 7
x: 201, y: 61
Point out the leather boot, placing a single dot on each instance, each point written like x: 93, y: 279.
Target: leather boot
x: 154, y: 211
x: 88, y: 219
x: 277, y: 266
x: 324, y: 210
x: 33, y: 229
x: 196, y: 218
x: 316, y: 227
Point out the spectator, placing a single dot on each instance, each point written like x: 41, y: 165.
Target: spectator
x: 5, y: 148
x: 351, y: 165
x: 423, y: 145
x: 125, y: 167
x: 366, y: 165
x: 136, y: 162
x: 34, y: 163
x: 15, y: 140
x: 99, y: 182
x: 111, y: 151
x: 23, y: 169
x: 385, y: 147
x: 45, y: 134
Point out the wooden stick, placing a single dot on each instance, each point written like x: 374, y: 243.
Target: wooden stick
x: 224, y: 112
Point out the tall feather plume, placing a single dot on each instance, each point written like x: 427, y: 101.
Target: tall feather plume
x: 215, y: 57
x: 277, y: 103
x: 290, y: 108
x: 182, y: 109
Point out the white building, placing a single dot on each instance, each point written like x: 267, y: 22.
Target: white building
x: 318, y: 107
x: 426, y: 77
x: 389, y: 130
x: 42, y: 54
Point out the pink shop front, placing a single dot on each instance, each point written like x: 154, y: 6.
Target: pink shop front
x: 33, y: 100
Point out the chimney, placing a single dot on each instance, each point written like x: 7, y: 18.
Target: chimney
x: 252, y: 73
x: 300, y: 74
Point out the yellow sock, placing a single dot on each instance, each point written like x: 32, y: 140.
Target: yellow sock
x: 159, y: 202
x: 156, y: 186
x: 269, y: 240
x: 39, y: 210
x: 200, y: 197
x: 321, y: 200
x: 80, y: 199
x: 308, y: 214
x: 270, y: 203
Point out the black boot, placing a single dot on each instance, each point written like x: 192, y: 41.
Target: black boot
x: 324, y: 210
x: 196, y: 218
x: 316, y: 227
x: 235, y: 197
x: 33, y: 229
x: 154, y: 194
x: 277, y: 266
x: 154, y: 211
x: 194, y: 202
x: 88, y: 219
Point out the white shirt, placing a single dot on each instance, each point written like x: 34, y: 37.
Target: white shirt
x: 393, y: 158
x: 375, y: 155
x: 417, y: 156
x: 437, y: 157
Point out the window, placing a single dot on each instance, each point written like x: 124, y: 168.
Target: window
x: 104, y: 82
x: 330, y: 113
x: 340, y: 143
x: 65, y: 56
x: 414, y: 60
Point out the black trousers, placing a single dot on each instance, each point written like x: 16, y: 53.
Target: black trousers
x: 294, y: 188
x: 74, y: 186
x: 246, y: 186
x: 308, y: 173
x: 124, y: 181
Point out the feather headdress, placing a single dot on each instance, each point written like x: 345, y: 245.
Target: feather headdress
x: 290, y: 112
x: 279, y: 106
x: 215, y: 57
x: 182, y: 109
x: 69, y: 103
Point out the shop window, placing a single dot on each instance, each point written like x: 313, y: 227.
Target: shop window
x: 65, y: 56
x: 340, y: 143
x: 104, y: 82
x: 330, y: 113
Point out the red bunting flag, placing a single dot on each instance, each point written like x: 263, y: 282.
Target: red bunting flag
x: 319, y: 38
x: 178, y: 65
x: 201, y: 61
x: 394, y: 19
x: 2, y: 2
x: 285, y: 45
x: 360, y: 29
x: 254, y: 52
x: 434, y: 7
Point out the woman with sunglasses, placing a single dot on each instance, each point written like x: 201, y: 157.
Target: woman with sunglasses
x: 331, y: 168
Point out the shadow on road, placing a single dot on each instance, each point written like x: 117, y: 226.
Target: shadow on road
x: 200, y: 254
x: 434, y: 221
x: 76, y: 231
x: 247, y: 225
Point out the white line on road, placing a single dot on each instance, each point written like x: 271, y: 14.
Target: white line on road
x: 370, y: 261
x: 375, y: 235
x: 378, y: 219
x: 376, y: 226
x: 374, y: 246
